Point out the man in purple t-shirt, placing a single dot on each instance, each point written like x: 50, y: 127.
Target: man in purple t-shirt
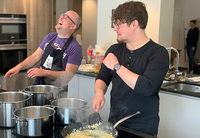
x: 59, y: 53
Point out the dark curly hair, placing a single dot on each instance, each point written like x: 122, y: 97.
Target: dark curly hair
x: 130, y: 11
x: 194, y: 21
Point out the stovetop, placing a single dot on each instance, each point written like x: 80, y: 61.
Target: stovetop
x: 11, y: 133
x: 57, y: 129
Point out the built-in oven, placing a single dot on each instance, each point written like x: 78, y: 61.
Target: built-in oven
x: 10, y: 58
x: 13, y: 40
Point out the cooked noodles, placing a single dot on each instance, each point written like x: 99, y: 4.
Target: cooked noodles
x: 89, y: 134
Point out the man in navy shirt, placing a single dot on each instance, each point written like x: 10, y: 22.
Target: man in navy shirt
x: 136, y: 66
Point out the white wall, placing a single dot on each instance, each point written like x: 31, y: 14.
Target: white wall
x: 166, y: 22
x: 89, y: 21
x: 61, y: 7
x: 189, y: 10
x: 106, y: 36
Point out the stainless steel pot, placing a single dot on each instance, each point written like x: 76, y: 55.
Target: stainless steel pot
x: 43, y: 93
x: 69, y: 110
x: 34, y: 121
x: 10, y: 101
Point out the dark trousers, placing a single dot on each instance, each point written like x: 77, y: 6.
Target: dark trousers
x: 191, y: 55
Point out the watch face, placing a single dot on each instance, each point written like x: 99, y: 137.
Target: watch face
x: 116, y: 67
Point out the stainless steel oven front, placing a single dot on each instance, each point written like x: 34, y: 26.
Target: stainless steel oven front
x: 13, y: 29
x: 10, y: 58
x: 13, y: 40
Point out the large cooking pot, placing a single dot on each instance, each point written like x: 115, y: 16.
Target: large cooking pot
x: 10, y: 101
x: 69, y: 110
x: 34, y: 121
x: 43, y: 93
x: 104, y: 126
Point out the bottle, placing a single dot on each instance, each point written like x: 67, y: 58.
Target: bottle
x: 83, y: 61
x: 97, y: 63
x: 89, y: 53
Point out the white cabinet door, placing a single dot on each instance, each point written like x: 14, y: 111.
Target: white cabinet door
x: 73, y: 89
x: 86, y: 92
x: 83, y: 87
x: 179, y: 116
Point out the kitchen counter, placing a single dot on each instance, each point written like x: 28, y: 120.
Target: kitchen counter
x: 123, y: 133
x: 183, y: 92
x: 91, y: 74
x: 186, y: 93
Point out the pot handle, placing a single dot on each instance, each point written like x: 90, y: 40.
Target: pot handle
x: 60, y: 89
x: 49, y: 106
x: 21, y: 120
x: 29, y: 93
x: 51, y: 100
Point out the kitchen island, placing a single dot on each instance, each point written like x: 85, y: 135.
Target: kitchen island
x: 179, y: 110
x: 124, y: 133
x: 6, y: 132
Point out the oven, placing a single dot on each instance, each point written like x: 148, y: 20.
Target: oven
x: 13, y: 40
x: 10, y: 58
x: 12, y: 29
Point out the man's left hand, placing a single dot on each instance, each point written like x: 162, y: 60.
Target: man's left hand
x: 110, y: 60
x: 36, y: 72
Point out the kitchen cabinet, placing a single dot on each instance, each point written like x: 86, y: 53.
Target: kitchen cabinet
x: 83, y: 87
x: 13, y: 6
x: 39, y: 22
x: 179, y: 116
x: 39, y: 18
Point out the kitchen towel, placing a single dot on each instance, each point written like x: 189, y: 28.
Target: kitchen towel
x: 193, y: 79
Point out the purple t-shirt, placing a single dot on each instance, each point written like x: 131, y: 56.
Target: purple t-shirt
x: 73, y: 53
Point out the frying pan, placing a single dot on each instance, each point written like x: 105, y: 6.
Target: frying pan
x: 105, y: 126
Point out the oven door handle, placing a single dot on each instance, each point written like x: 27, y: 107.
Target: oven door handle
x: 12, y: 48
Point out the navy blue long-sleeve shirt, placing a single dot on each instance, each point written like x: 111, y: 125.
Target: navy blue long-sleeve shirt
x: 151, y: 63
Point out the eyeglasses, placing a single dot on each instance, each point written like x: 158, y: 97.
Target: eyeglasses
x: 118, y: 24
x: 65, y: 16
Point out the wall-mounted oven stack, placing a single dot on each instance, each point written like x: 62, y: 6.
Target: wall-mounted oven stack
x: 13, y: 40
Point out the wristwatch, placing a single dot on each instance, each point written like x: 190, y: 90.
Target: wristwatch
x: 117, y: 67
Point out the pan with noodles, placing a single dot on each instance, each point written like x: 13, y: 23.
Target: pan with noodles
x: 80, y: 130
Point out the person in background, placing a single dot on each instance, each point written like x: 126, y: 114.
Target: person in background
x: 136, y: 66
x: 191, y: 43
x: 60, y: 54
